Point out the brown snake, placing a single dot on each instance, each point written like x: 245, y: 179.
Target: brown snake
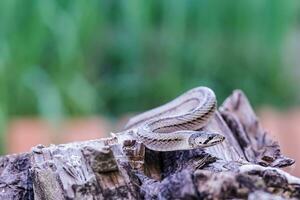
x: 174, y: 126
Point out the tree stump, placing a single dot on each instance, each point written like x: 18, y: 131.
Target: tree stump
x: 245, y: 166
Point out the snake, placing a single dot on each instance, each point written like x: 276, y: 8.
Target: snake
x: 176, y: 125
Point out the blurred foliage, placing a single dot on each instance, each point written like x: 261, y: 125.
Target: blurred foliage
x: 61, y: 58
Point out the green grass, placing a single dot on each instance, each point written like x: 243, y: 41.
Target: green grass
x: 63, y: 58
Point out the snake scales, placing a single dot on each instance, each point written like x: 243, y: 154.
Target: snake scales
x: 175, y: 125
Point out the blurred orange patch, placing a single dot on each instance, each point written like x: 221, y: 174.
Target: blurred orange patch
x: 25, y: 133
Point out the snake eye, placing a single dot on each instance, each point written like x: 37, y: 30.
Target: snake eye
x: 198, y: 141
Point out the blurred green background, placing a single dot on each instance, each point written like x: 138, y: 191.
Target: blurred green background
x: 65, y: 58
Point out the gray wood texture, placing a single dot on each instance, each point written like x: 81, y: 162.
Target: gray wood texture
x: 245, y: 166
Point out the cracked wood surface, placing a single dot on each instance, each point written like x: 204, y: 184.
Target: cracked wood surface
x: 242, y: 167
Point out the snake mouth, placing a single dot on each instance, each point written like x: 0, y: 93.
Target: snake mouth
x: 218, y: 139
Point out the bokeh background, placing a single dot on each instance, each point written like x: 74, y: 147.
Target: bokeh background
x: 72, y: 70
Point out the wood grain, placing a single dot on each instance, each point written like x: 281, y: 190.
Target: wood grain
x: 241, y: 167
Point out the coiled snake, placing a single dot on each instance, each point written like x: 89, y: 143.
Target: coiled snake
x: 175, y: 125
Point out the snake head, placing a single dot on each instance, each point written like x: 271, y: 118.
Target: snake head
x: 205, y: 139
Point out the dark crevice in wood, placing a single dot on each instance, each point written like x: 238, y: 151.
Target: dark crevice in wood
x: 244, y: 166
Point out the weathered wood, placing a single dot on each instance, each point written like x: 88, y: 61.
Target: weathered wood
x: 245, y: 165
x: 257, y: 146
x: 15, y: 178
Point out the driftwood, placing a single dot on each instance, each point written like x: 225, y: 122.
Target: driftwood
x: 245, y: 166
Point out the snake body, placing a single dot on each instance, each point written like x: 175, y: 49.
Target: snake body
x: 174, y: 126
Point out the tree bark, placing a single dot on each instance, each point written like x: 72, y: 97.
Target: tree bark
x: 246, y: 165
